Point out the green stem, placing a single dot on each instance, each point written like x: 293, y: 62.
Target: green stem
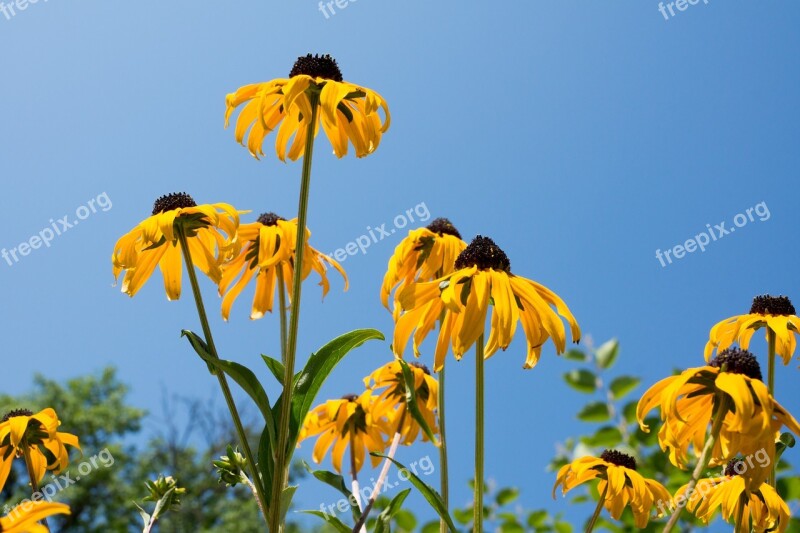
x: 771, y: 384
x: 282, y: 455
x: 443, y: 474
x: 282, y: 304
x: 32, y: 475
x: 705, y: 457
x: 598, y: 510
x: 223, y: 382
x: 737, y: 525
x: 477, y: 511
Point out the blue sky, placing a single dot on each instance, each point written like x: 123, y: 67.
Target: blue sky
x: 582, y: 136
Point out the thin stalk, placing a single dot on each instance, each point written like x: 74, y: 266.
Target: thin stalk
x: 443, y: 474
x: 223, y: 382
x: 477, y: 511
x: 354, y: 472
x: 705, y: 457
x: 282, y: 455
x: 32, y: 475
x: 598, y: 509
x: 771, y: 384
x: 737, y: 525
x: 282, y: 304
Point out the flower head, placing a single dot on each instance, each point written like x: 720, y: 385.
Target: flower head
x: 690, y: 400
x: 268, y: 249
x: 776, y: 313
x: 482, y: 278
x: 350, y: 421
x: 25, y: 518
x: 210, y: 232
x: 36, y: 435
x: 620, y: 484
x: 348, y: 112
x: 424, y: 255
x: 392, y: 400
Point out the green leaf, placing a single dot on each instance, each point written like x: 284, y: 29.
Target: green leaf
x: 463, y: 516
x: 506, y: 496
x: 411, y: 402
x: 595, y: 412
x: 623, y: 385
x: 607, y: 353
x: 242, y: 375
x: 576, y: 355
x: 537, y: 518
x: 337, y: 482
x: 629, y: 411
x: 606, y: 436
x: 581, y: 380
x: 786, y: 440
x: 286, y: 499
x: 430, y: 527
x: 405, y: 520
x: 332, y: 520
x: 432, y: 497
x: 511, y: 527
x: 275, y: 366
x: 308, y: 382
x: 563, y: 527
x: 383, y: 523
x: 266, y: 460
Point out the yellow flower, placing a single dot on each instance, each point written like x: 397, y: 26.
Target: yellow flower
x: 392, y: 401
x: 210, y: 233
x: 22, y: 432
x: 348, y: 112
x: 482, y: 277
x: 776, y: 313
x: 620, y: 484
x: 424, y: 255
x: 689, y: 400
x: 761, y: 508
x: 350, y: 421
x: 268, y: 250
x: 25, y: 517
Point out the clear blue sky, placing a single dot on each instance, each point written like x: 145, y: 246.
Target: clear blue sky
x: 582, y: 136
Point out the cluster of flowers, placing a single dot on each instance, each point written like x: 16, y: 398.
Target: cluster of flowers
x: 35, y: 439
x: 724, y: 413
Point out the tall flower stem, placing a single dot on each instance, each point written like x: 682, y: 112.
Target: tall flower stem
x: 705, y: 457
x: 771, y: 384
x: 32, y: 476
x: 223, y: 382
x: 282, y: 304
x: 354, y: 472
x: 598, y: 510
x: 443, y: 473
x: 282, y: 456
x: 477, y: 510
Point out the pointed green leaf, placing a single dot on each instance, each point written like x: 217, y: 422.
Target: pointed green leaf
x: 411, y: 402
x: 576, y: 355
x: 581, y: 380
x: 506, y: 496
x: 332, y: 520
x: 275, y: 366
x: 286, y: 499
x: 623, y: 385
x: 606, y: 436
x: 607, y: 353
x: 383, y: 523
x: 337, y: 482
x: 595, y: 412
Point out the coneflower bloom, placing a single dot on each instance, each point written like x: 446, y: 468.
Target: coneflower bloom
x: 482, y: 277
x: 210, y: 231
x: 392, y: 400
x: 25, y: 518
x: 776, y: 313
x: 350, y: 421
x: 424, y: 255
x: 23, y: 432
x: 348, y: 112
x: 267, y: 253
x: 620, y: 484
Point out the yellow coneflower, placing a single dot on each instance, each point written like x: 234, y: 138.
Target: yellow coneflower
x: 25, y: 518
x: 620, y: 484
x: 24, y: 433
x: 482, y: 277
x: 758, y: 508
x: 210, y: 232
x: 392, y: 400
x: 424, y: 255
x: 350, y: 421
x: 268, y: 249
x: 349, y: 112
x: 776, y: 313
x: 689, y: 400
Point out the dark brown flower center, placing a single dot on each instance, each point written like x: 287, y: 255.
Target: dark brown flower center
x: 350, y: 397
x: 772, y: 305
x: 176, y: 200
x: 317, y: 66
x: 270, y: 219
x: 739, y: 362
x: 483, y: 253
x: 420, y: 366
x: 735, y: 467
x: 618, y: 458
x: 16, y: 412
x: 443, y: 226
